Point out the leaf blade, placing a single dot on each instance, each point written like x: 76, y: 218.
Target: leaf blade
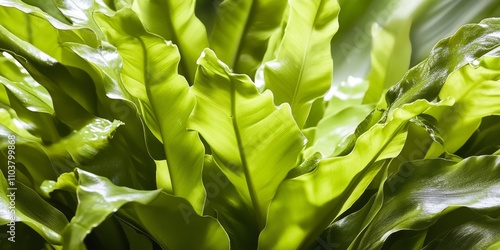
x: 180, y: 26
x: 166, y: 97
x: 253, y: 142
x: 302, y: 69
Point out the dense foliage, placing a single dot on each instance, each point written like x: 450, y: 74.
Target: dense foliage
x: 245, y: 124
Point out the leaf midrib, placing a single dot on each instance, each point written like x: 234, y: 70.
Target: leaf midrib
x: 250, y: 185
x: 183, y: 67
x: 146, y: 83
x: 298, y: 83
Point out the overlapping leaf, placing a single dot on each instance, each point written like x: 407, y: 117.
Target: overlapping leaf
x: 150, y: 210
x: 333, y: 131
x: 166, y: 95
x: 175, y: 21
x: 352, y: 47
x: 41, y: 24
x: 430, y: 21
x: 242, y: 30
x: 72, y: 97
x: 29, y: 208
x: 442, y: 19
x: 476, y: 90
x: 31, y: 101
x: 302, y: 69
x: 134, y: 73
x: 43, y: 162
x: 483, y: 140
x: 103, y: 65
x: 469, y: 43
x: 322, y: 195
x: 390, y: 56
x: 419, y: 199
x: 233, y: 214
x: 425, y: 80
x: 479, y: 234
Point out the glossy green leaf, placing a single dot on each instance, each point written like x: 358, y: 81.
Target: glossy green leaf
x: 86, y: 142
x: 479, y: 234
x: 175, y: 21
x: 242, y: 30
x: 119, y: 4
x: 163, y: 179
x: 302, y: 70
x: 125, y: 31
x: 101, y: 89
x: 253, y: 142
x: 150, y: 210
x: 11, y: 124
x: 31, y: 239
x: 272, y: 47
x: 431, y: 21
x: 316, y: 114
x: 408, y: 240
x: 94, y: 148
x: 31, y: 101
x: 416, y: 196
x: 32, y: 95
x: 344, y: 232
